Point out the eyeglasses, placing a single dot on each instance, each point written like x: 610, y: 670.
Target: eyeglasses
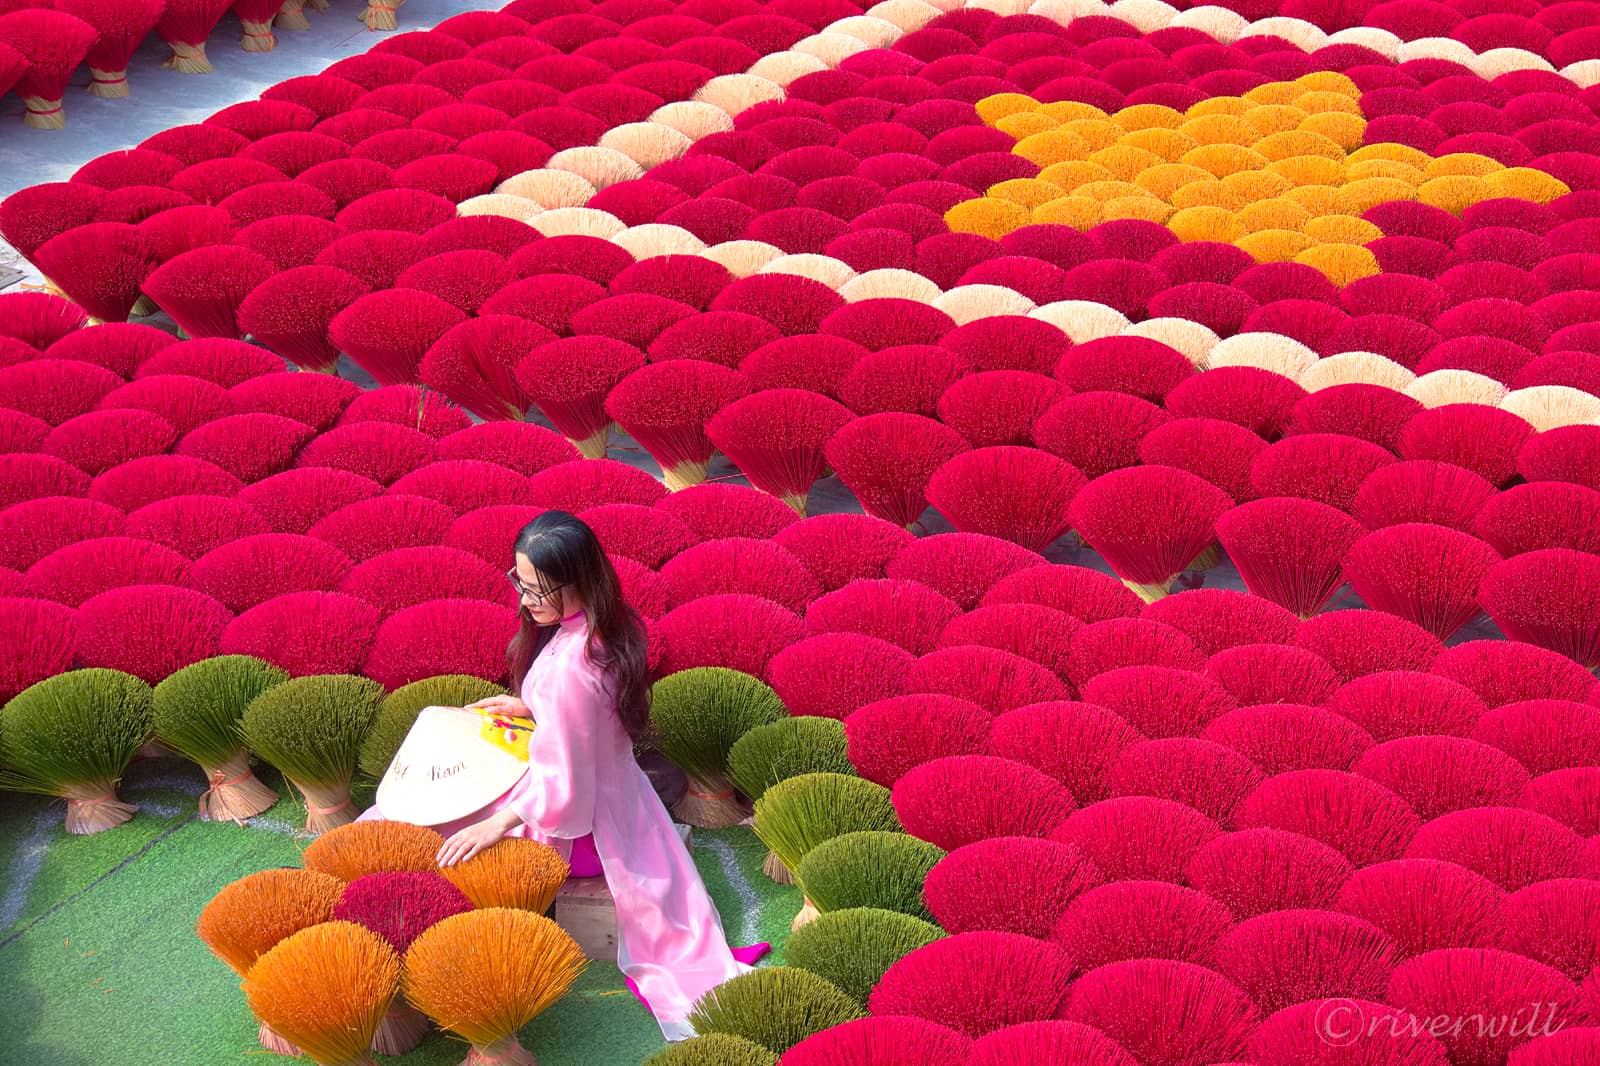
x: 535, y: 596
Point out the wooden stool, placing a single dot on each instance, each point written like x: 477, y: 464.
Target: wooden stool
x: 584, y: 908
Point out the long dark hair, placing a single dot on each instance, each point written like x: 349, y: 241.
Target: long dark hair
x: 566, y: 552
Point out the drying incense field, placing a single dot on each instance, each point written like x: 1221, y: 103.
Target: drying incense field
x: 1113, y: 492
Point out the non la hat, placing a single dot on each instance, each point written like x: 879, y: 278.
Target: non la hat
x: 453, y: 762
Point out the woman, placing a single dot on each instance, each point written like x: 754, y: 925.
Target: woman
x: 578, y: 661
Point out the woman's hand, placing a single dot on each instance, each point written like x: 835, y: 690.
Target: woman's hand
x: 474, y: 838
x: 509, y: 706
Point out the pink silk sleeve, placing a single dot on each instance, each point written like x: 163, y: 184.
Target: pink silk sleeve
x: 556, y: 796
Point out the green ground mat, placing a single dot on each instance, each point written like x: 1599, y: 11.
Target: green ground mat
x: 99, y: 962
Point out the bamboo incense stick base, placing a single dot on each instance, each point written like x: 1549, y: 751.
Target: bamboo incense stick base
x: 507, y: 1052
x: 775, y: 870
x: 401, y: 1030
x: 594, y: 446
x: 380, y: 16
x: 257, y: 37
x: 236, y: 793
x: 292, y: 17
x: 316, y: 5
x: 94, y: 807
x: 808, y: 914
x: 44, y: 114
x: 796, y: 501
x: 709, y: 805
x: 108, y: 84
x: 188, y: 58
x: 143, y: 307
x: 327, y: 806
x: 683, y: 475
x: 276, y: 1044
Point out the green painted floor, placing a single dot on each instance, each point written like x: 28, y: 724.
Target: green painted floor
x: 99, y: 962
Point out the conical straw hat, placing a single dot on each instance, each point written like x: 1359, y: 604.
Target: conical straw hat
x: 453, y: 762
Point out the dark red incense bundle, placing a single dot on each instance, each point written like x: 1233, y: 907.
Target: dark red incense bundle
x: 1139, y: 919
x: 1543, y: 514
x: 1280, y: 737
x: 256, y: 18
x: 202, y: 289
x: 465, y: 484
x: 375, y: 256
x: 155, y: 477
x: 1289, y: 550
x: 1208, y: 776
x: 45, y: 646
x: 1097, y: 432
x: 1149, y: 522
x: 305, y: 633
x: 1357, y: 643
x: 32, y: 477
x: 1427, y: 905
x: 1442, y: 775
x: 1422, y: 490
x: 1221, y: 1016
x: 998, y: 406
x: 387, y: 333
x: 53, y: 43
x: 736, y: 631
x: 13, y: 65
x: 1372, y: 412
x: 905, y: 613
x: 881, y: 1042
x: 739, y: 565
x: 989, y: 677
x: 1424, y: 573
x: 1218, y: 619
x: 648, y: 535
x: 578, y: 484
x: 1256, y: 399
x: 665, y: 407
x: 441, y: 637
x: 149, y: 631
x: 1257, y: 871
x: 31, y: 216
x: 1550, y: 598
x: 474, y: 364
x: 453, y: 574
x: 101, y: 266
x: 1138, y: 838
x: 193, y: 524
x: 249, y: 446
x: 185, y: 25
x: 1159, y: 701
x: 816, y: 362
x: 1363, y: 820
x: 1398, y: 704
x: 280, y: 563
x: 72, y: 574
x: 1075, y: 743
x: 1483, y: 439
x: 1115, y: 643
x: 840, y: 548
x: 1502, y: 672
x: 383, y: 523
x: 1017, y: 494
x: 290, y: 313
x: 569, y: 380
x: 175, y: 230
x: 976, y: 983
x: 1087, y: 595
x: 39, y: 319
x: 1008, y: 884
x: 1291, y: 956
x: 887, y: 459
x: 1326, y: 467
x: 55, y: 390
x: 723, y: 509
x: 961, y: 566
x: 1565, y: 454
x: 488, y: 532
x: 944, y: 726
x: 122, y: 25
x: 962, y: 799
x: 1039, y: 634
x: 910, y: 378
x: 776, y: 438
x: 315, y: 399
x: 296, y: 500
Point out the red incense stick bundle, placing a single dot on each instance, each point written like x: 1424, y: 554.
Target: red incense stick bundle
x: 185, y: 26
x: 256, y: 16
x: 122, y: 24
x: 54, y: 43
